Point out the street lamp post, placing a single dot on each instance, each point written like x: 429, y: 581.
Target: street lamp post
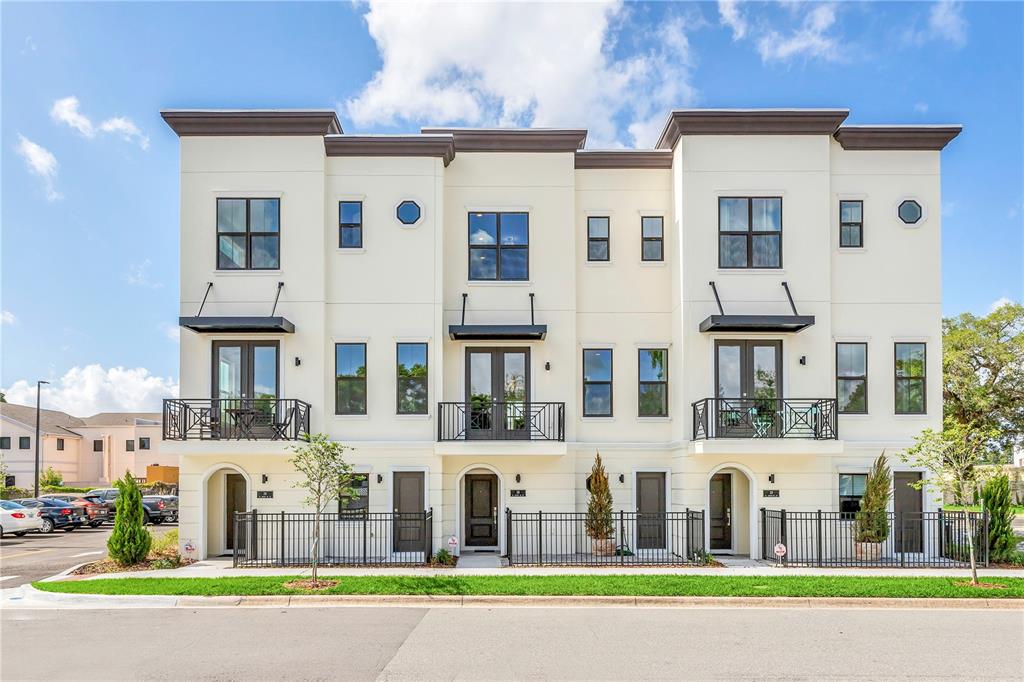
x: 38, y: 391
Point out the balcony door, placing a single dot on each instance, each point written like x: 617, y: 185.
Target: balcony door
x: 497, y: 393
x: 748, y: 379
x: 245, y: 388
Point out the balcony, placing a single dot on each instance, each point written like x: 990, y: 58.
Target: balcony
x: 488, y: 420
x: 770, y: 418
x: 235, y: 419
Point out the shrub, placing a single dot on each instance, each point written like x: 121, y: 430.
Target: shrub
x: 51, y: 477
x: 872, y: 521
x: 444, y: 557
x: 599, y: 509
x: 129, y: 542
x: 1002, y: 543
x: 13, y: 493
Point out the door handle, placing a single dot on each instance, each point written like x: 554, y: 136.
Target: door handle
x: 494, y: 515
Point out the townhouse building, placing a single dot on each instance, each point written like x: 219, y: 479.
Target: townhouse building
x: 745, y: 315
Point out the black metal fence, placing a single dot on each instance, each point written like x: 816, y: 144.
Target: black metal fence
x: 912, y: 539
x: 814, y: 418
x: 235, y: 419
x: 356, y: 538
x: 492, y: 420
x: 560, y: 538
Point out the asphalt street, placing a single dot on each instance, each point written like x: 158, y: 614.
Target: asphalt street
x: 393, y: 643
x: 36, y: 556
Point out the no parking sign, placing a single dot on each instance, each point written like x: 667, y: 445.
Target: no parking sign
x: 780, y: 550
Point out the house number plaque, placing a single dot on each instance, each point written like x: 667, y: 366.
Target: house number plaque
x: 518, y: 493
x: 264, y: 494
x: 771, y: 493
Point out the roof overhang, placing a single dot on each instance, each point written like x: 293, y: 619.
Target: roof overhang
x: 237, y: 325
x: 757, y: 323
x: 749, y: 122
x: 252, y: 121
x: 895, y: 137
x: 624, y: 158
x: 514, y: 139
x: 442, y: 146
x: 497, y: 332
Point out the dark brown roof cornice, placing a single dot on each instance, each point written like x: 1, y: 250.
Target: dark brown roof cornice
x: 893, y: 137
x: 513, y: 139
x: 749, y: 122
x: 442, y: 146
x: 252, y: 121
x: 624, y: 158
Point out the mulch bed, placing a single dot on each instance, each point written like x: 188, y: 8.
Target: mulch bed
x: 981, y: 585
x: 308, y: 584
x: 111, y: 566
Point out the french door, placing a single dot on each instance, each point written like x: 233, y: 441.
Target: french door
x: 748, y: 384
x: 497, y: 393
x: 244, y: 387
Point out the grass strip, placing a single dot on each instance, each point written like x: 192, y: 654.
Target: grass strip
x: 558, y: 585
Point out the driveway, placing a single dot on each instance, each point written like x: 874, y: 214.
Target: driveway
x: 36, y: 556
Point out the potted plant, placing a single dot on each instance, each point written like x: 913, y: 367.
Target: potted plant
x: 600, y: 527
x: 871, y: 523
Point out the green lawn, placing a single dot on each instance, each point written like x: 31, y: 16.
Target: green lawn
x: 1018, y: 509
x: 561, y: 585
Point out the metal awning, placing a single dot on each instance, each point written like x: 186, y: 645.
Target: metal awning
x: 497, y: 332
x: 789, y: 324
x: 237, y: 325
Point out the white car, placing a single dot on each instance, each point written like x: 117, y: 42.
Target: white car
x: 17, y: 519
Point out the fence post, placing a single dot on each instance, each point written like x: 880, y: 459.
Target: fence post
x: 942, y: 533
x: 282, y: 538
x: 819, y: 538
x: 764, y: 535
x: 903, y: 548
x: 984, y: 515
x: 782, y: 537
x: 689, y: 538
x: 366, y: 531
x: 426, y: 536
x: 234, y: 547
x: 508, y: 534
x: 252, y: 553
x: 540, y: 539
x: 622, y: 537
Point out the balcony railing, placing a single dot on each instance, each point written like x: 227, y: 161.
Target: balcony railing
x: 490, y: 420
x: 235, y: 419
x: 814, y: 418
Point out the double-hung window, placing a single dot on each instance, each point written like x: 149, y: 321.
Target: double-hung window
x: 5, y: 442
x: 350, y: 224
x: 24, y: 443
x: 129, y: 446
x: 248, y: 234
x: 851, y: 490
x: 652, y: 238
x: 852, y: 377
x: 350, y: 378
x: 499, y: 246
x: 97, y: 445
x: 60, y: 444
x: 910, y: 378
x: 750, y: 232
x: 412, y: 378
x: 144, y: 443
x: 359, y: 499
x: 653, y: 377
x: 597, y: 382
x: 598, y: 238
x: 851, y: 224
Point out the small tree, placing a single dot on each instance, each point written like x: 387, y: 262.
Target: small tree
x: 326, y: 477
x: 599, y: 508
x: 129, y: 542
x: 51, y: 478
x: 872, y: 521
x: 952, y: 457
x: 1002, y: 543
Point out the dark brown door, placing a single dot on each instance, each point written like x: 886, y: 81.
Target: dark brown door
x: 409, y: 517
x: 497, y: 393
x: 907, y: 503
x: 650, y: 522
x: 721, y: 511
x: 235, y: 502
x: 481, y: 510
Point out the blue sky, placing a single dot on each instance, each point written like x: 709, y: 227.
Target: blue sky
x: 90, y: 172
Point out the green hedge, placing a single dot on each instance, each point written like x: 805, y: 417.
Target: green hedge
x: 13, y: 493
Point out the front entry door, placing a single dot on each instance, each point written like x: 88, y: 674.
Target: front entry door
x: 497, y: 393
x: 650, y: 509
x: 906, y: 502
x: 409, y: 517
x: 234, y: 499
x: 481, y: 510
x: 748, y: 379
x: 245, y: 388
x: 721, y: 512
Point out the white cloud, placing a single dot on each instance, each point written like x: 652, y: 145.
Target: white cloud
x: 66, y: 111
x: 921, y: 107
x: 731, y: 16
x: 7, y: 317
x: 40, y: 162
x: 484, y: 73
x: 810, y: 39
x: 138, y: 275
x: 84, y: 391
x: 29, y: 45
x: 945, y: 23
x: 171, y: 331
x: 999, y: 303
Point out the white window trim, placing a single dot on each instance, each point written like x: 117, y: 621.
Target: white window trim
x: 924, y: 212
x: 499, y: 283
x: 423, y: 213
x: 246, y: 194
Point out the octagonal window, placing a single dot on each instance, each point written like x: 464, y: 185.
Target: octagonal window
x: 408, y: 212
x: 910, y: 212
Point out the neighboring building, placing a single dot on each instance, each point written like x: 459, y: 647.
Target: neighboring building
x: 85, y: 450
x: 479, y: 311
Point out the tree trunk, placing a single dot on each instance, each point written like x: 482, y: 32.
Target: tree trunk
x: 974, y: 563
x: 315, y: 550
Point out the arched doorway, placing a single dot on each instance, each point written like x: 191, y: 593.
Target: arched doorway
x: 480, y: 509
x: 730, y: 521
x: 226, y: 488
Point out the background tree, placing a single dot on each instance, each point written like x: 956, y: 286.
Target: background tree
x: 983, y: 376
x: 952, y: 458
x: 129, y: 542
x: 599, y: 507
x: 51, y: 478
x: 326, y: 478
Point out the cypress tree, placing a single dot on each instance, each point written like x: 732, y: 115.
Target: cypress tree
x: 599, y: 508
x: 130, y: 541
x: 1002, y: 543
x: 872, y: 520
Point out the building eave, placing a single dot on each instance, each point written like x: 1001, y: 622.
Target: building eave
x: 190, y: 122
x: 442, y: 146
x: 563, y: 140
x: 749, y: 122
x: 624, y: 158
x: 897, y: 137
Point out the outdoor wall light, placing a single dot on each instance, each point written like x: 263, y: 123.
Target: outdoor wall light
x: 519, y: 478
x: 264, y: 478
x: 380, y: 479
x: 803, y: 359
x: 622, y: 478
x: 547, y: 366
x: 771, y: 478
x: 297, y: 361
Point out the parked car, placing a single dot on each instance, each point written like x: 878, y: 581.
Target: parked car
x: 56, y: 514
x: 107, y: 497
x: 18, y: 519
x: 95, y: 508
x: 160, y: 508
